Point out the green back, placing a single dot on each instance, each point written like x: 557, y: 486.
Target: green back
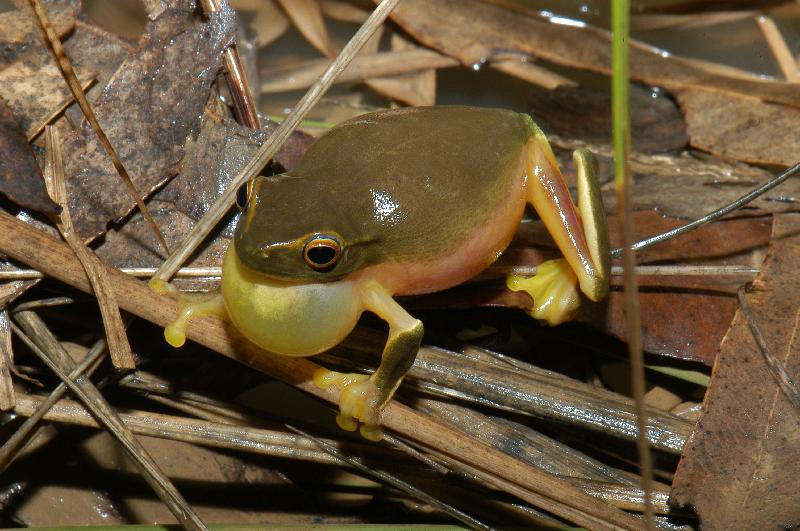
x: 399, y: 185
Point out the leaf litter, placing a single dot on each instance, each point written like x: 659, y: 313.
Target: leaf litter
x: 687, y: 316
x: 740, y: 467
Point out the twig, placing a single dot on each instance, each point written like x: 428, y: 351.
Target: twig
x: 275, y: 141
x: 642, y: 270
x: 667, y: 270
x: 780, y: 50
x: 25, y: 433
x: 58, y: 361
x: 30, y: 246
x: 730, y: 207
x: 65, y: 67
x: 553, y: 506
x: 411, y: 490
x: 363, y: 67
x: 242, y: 97
x: 774, y: 365
x: 142, y: 272
x: 118, y: 345
x: 213, y: 434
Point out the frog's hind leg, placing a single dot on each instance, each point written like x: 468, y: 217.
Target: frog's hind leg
x: 580, y: 233
x: 363, y: 397
x: 190, y: 306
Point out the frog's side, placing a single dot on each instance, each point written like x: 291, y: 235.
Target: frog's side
x: 402, y: 202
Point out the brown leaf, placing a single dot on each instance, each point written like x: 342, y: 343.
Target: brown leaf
x: 364, y: 66
x: 20, y: 176
x: 417, y: 89
x: 343, y: 11
x: 211, y: 161
x: 740, y: 467
x: 688, y: 186
x: 19, y: 32
x: 684, y: 317
x: 215, y: 158
x: 585, y: 113
x: 153, y: 102
x: 307, y: 17
x: 700, y: 6
x: 741, y: 127
x: 33, y: 86
x: 269, y: 24
x: 473, y: 32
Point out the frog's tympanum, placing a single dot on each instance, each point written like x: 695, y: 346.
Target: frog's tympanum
x: 401, y: 202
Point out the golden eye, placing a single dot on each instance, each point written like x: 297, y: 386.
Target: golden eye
x: 322, y: 252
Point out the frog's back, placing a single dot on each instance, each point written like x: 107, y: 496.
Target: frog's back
x: 420, y: 180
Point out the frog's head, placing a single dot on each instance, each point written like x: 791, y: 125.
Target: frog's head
x: 291, y: 229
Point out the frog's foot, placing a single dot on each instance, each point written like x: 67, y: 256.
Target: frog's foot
x: 360, y: 401
x: 553, y: 289
x: 191, y: 305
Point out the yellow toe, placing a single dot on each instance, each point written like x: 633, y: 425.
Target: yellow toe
x: 553, y: 289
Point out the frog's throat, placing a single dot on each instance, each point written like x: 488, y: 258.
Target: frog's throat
x: 288, y: 318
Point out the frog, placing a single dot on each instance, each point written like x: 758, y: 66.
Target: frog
x: 398, y: 202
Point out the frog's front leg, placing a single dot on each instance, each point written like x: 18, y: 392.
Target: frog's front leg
x: 581, y: 235
x: 363, y: 397
x: 190, y: 306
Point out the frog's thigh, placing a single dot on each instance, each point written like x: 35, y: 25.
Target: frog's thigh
x: 584, y: 244
x: 362, y: 397
x: 190, y: 306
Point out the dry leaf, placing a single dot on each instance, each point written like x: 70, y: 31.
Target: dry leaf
x: 534, y: 74
x: 473, y: 32
x: 740, y: 468
x: 269, y: 23
x: 307, y: 17
x: 20, y: 176
x: 211, y: 161
x: 741, y: 127
x: 363, y: 67
x: 148, y: 109
x: 19, y: 32
x: 584, y: 113
x: 343, y: 11
x: 687, y: 186
x: 684, y: 317
x: 33, y: 86
x: 417, y: 89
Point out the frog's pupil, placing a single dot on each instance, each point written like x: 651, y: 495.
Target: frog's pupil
x: 241, y: 197
x: 322, y: 255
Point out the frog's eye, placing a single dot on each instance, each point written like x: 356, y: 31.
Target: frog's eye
x: 243, y: 195
x: 322, y: 252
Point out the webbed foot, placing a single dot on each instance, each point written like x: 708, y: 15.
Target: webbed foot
x: 553, y: 289
x: 190, y: 306
x: 360, y: 401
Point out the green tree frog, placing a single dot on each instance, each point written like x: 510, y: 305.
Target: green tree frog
x: 400, y: 202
